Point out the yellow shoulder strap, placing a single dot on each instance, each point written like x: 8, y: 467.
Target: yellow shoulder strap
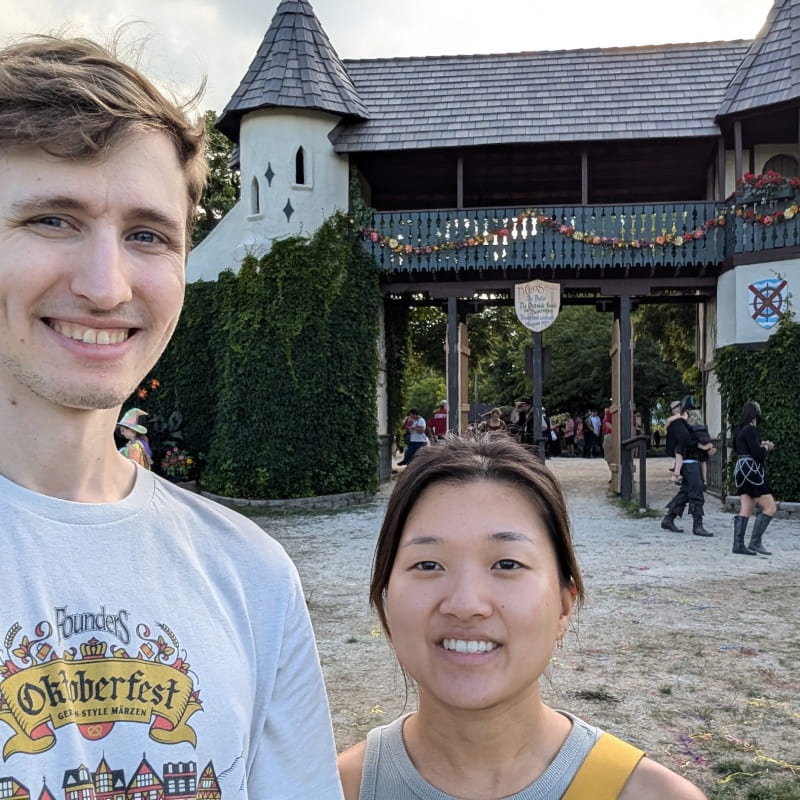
x: 604, y: 771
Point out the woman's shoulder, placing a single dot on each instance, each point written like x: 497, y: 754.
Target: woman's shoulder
x: 351, y: 765
x: 655, y: 782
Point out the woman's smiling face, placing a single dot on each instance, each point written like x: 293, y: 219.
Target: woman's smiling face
x: 474, y: 602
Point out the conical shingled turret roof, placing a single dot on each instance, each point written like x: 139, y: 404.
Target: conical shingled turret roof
x: 770, y: 71
x: 295, y: 67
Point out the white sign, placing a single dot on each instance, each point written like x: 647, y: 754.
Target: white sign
x: 537, y: 304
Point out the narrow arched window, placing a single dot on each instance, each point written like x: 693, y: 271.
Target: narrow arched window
x: 255, y: 199
x: 300, y: 167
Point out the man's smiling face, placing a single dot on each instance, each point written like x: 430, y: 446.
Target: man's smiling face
x: 92, y: 260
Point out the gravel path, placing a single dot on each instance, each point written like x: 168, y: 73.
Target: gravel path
x: 683, y: 648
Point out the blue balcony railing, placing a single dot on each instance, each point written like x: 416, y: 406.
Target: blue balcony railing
x: 575, y: 237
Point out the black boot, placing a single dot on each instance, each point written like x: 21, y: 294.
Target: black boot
x: 739, y: 527
x: 697, y: 527
x: 668, y: 523
x: 759, y: 526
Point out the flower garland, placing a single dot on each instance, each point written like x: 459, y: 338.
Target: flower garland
x: 585, y: 237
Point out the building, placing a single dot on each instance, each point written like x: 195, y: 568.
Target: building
x: 610, y: 172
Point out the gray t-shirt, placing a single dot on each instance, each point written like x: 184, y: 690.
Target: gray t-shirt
x: 388, y: 773
x: 158, y: 646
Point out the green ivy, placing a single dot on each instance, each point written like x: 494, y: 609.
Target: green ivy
x: 770, y: 377
x: 274, y: 370
x: 398, y: 349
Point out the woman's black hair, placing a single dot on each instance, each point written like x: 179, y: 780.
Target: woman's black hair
x: 750, y: 411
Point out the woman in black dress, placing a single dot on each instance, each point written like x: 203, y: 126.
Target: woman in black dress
x: 751, y: 481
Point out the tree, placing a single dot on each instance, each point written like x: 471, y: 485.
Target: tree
x: 673, y: 326
x: 222, y: 189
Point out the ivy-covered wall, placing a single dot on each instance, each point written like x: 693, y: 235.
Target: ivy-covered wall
x: 275, y: 371
x: 770, y: 376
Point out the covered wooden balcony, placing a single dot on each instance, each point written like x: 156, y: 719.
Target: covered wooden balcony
x: 692, y: 237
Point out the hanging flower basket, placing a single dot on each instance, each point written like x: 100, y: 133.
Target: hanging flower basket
x: 766, y: 189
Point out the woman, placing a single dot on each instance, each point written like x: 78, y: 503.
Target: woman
x: 751, y: 482
x: 495, y: 422
x: 475, y: 580
x: 569, y: 435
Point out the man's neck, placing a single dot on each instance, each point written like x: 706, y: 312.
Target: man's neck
x: 62, y: 452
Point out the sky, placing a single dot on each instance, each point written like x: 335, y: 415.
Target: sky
x: 219, y: 38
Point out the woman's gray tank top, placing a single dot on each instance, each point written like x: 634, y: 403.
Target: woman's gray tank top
x: 388, y: 773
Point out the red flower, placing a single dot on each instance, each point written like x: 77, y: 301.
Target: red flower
x: 142, y: 393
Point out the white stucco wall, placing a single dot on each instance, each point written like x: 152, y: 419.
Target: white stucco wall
x: 762, y: 154
x: 736, y: 324
x: 269, y: 142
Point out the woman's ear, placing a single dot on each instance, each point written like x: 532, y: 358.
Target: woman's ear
x: 569, y: 594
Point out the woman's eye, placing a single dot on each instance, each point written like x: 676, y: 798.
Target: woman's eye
x: 508, y: 563
x: 426, y: 566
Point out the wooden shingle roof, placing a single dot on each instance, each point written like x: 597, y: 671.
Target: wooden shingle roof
x: 655, y: 91
x: 770, y: 70
x: 295, y: 67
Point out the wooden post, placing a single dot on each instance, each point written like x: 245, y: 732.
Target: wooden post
x: 584, y: 178
x: 452, y: 365
x: 538, y: 439
x: 737, y: 144
x: 625, y: 393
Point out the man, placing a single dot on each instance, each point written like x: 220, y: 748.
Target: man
x: 687, y: 468
x: 137, y: 617
x: 522, y: 416
x: 439, y: 421
x: 596, y: 425
x: 418, y: 436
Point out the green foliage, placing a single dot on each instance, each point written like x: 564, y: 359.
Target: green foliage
x: 427, y: 327
x: 223, y: 186
x: 361, y: 212
x: 395, y: 326
x: 766, y: 376
x: 424, y: 395
x: 580, y: 379
x: 655, y: 380
x: 162, y: 420
x: 275, y: 370
x: 673, y: 326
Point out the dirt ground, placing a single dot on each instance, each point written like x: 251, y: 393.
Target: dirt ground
x: 683, y: 648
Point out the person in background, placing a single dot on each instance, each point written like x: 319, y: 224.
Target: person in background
x: 751, y: 482
x: 522, y: 416
x: 136, y: 448
x: 596, y: 425
x: 580, y: 436
x: 417, y: 438
x: 139, y: 617
x: 704, y: 444
x: 475, y: 582
x: 406, y: 425
x: 569, y: 435
x: 687, y: 469
x: 495, y: 423
x: 439, y: 421
x: 669, y: 437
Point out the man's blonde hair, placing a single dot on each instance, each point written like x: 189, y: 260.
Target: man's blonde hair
x: 74, y: 99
